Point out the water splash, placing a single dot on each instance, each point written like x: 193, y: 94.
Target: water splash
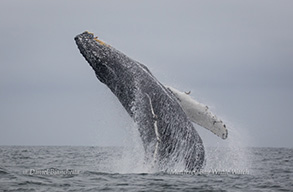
x: 223, y: 155
x: 133, y: 154
x: 231, y: 155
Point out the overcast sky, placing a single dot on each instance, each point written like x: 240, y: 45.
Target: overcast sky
x: 235, y: 56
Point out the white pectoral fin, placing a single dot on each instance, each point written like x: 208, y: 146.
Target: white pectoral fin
x: 200, y: 114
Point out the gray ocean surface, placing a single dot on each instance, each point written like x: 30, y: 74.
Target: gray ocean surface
x: 65, y: 168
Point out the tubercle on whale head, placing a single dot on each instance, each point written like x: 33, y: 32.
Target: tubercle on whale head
x: 89, y: 33
x: 101, y: 42
x: 90, y: 36
x: 97, y: 40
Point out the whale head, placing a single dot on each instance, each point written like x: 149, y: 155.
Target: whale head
x: 107, y: 62
x: 104, y: 59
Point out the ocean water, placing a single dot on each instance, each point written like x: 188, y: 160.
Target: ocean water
x: 65, y: 168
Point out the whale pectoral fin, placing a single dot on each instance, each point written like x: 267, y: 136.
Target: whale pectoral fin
x: 200, y: 114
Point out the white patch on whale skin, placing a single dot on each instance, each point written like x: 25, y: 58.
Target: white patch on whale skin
x: 156, y: 130
x: 200, y: 114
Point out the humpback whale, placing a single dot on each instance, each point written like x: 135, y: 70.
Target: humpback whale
x: 168, y: 136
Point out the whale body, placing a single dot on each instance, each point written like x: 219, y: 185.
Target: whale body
x: 169, y: 138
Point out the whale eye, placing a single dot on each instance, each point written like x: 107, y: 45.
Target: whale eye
x: 224, y: 126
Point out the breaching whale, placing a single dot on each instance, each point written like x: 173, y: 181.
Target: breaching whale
x: 168, y: 136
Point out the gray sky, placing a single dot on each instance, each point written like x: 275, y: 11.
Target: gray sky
x: 235, y: 56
